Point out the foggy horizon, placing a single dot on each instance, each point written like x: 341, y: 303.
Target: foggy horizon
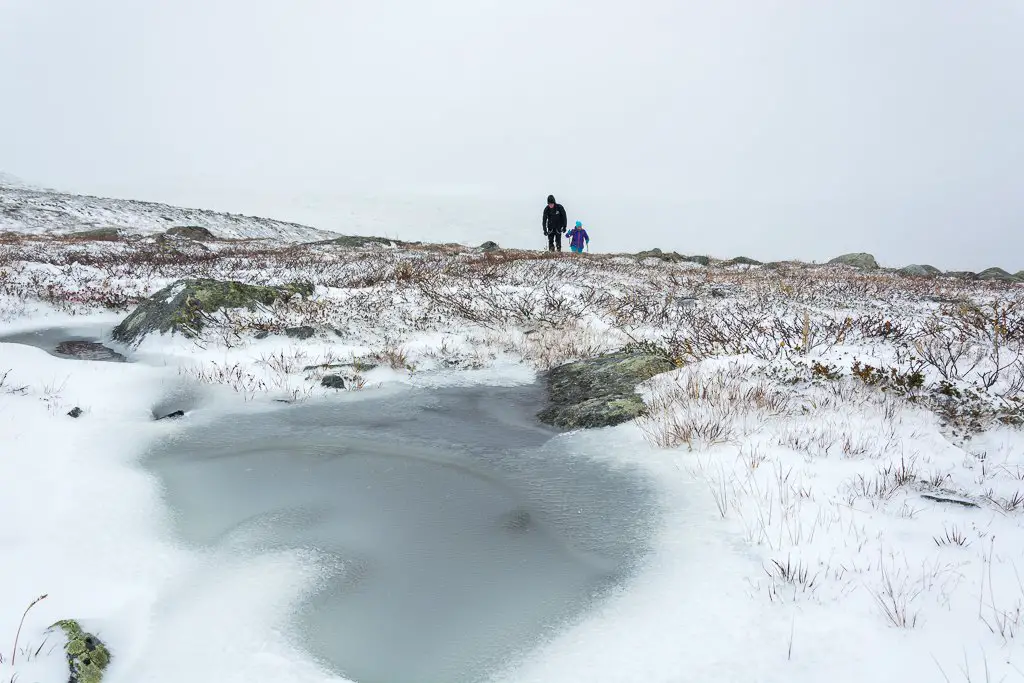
x: 777, y: 129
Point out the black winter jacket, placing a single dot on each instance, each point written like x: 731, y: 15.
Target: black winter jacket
x: 554, y: 219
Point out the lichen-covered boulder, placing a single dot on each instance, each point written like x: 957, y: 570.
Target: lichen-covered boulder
x: 856, y: 260
x: 962, y: 274
x: 996, y: 274
x: 743, y: 261
x: 919, y: 271
x: 87, y: 656
x: 489, y: 246
x: 184, y: 306
x: 601, y: 391
x: 191, y: 232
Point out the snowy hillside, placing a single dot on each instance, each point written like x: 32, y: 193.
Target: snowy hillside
x: 30, y: 210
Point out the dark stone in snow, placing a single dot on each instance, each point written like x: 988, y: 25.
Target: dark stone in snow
x: 333, y: 382
x: 301, y: 332
x: 88, y: 350
x: 490, y: 246
x: 75, y: 412
x: 262, y: 334
x: 601, y: 391
x: 173, y: 416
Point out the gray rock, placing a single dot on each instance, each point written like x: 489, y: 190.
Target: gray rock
x: 301, y: 332
x: 702, y: 260
x: 99, y: 235
x: 601, y: 391
x: 191, y: 232
x: 668, y: 257
x: 75, y: 412
x: 743, y: 261
x: 996, y: 274
x: 172, y: 416
x: 87, y: 350
x: 857, y: 260
x: 490, y: 246
x: 333, y: 382
x: 919, y: 271
x: 962, y: 274
x: 184, y: 306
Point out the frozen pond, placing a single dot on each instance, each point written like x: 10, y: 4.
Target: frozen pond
x: 83, y: 342
x: 463, y: 534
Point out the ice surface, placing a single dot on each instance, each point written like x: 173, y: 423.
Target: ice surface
x: 461, y: 534
x: 49, y: 338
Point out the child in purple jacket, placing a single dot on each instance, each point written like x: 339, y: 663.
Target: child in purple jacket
x: 578, y: 238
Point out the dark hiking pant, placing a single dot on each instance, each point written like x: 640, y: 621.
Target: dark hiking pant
x: 555, y: 241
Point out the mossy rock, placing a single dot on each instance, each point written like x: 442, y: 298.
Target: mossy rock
x: 185, y: 305
x: 87, y: 655
x: 99, y: 235
x: 191, y: 232
x: 997, y: 274
x: 859, y: 260
x: 601, y: 391
x: 962, y: 274
x: 919, y: 271
x: 490, y: 246
x: 743, y: 261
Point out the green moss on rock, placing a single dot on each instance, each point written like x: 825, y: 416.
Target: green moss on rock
x: 601, y: 391
x: 185, y: 305
x: 87, y: 655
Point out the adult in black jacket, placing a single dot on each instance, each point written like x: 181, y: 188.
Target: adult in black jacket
x: 554, y: 223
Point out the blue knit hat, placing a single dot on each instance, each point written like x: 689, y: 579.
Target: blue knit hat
x: 579, y: 224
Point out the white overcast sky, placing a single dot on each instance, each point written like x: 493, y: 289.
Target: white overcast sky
x: 769, y: 128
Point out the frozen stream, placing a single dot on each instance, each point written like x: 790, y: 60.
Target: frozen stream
x: 463, y: 532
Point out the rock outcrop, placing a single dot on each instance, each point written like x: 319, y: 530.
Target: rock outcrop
x: 601, y: 391
x: 743, y: 261
x: 191, y: 232
x: 490, y: 246
x: 919, y: 271
x: 856, y: 260
x: 99, y: 235
x: 87, y: 656
x: 185, y: 305
x: 997, y: 274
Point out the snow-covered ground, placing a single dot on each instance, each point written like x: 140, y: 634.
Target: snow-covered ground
x: 25, y: 209
x: 839, y: 453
